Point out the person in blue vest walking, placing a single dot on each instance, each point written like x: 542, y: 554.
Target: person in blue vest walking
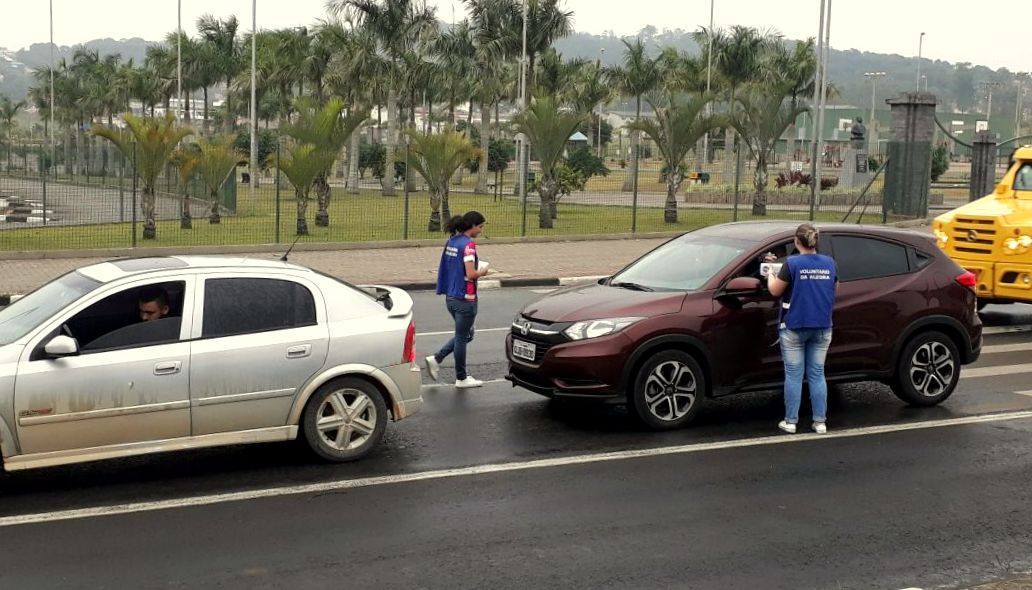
x: 457, y: 281
x: 806, y: 284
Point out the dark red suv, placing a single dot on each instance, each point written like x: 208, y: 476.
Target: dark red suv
x: 692, y: 320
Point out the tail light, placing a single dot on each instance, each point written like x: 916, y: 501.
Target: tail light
x: 968, y: 279
x: 409, y: 354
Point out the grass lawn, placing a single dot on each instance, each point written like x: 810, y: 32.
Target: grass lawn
x: 370, y: 217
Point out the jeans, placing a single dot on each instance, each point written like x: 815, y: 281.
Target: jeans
x: 464, y: 313
x: 805, y: 350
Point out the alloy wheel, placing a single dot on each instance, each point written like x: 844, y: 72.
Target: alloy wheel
x: 932, y: 369
x: 346, y: 419
x: 670, y: 390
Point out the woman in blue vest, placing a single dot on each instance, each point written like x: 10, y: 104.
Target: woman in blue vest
x: 457, y: 281
x: 806, y: 283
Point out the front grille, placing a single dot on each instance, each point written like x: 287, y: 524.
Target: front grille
x: 542, y: 334
x: 974, y: 235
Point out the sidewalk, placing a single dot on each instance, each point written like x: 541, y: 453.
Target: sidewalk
x: 414, y: 267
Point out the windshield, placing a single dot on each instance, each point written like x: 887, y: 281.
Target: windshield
x: 19, y: 318
x: 684, y: 264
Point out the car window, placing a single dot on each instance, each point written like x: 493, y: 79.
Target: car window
x: 247, y: 305
x: 684, y: 264
x: 1023, y: 179
x: 116, y: 320
x: 22, y: 316
x: 868, y: 258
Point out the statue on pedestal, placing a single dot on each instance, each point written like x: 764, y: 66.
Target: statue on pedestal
x: 858, y: 134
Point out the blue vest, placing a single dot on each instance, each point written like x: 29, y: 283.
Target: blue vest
x: 451, y: 275
x: 810, y: 300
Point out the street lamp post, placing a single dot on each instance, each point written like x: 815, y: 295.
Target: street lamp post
x: 523, y: 106
x: 820, y: 95
x: 179, y: 59
x: 873, y: 77
x: 920, y: 49
x: 254, y: 103
x: 600, y: 106
x: 709, y: 76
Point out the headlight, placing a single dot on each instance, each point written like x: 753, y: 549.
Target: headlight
x: 597, y: 328
x: 942, y: 236
x: 1025, y: 241
x: 1011, y: 244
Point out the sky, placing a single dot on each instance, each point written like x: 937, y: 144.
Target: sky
x: 884, y: 26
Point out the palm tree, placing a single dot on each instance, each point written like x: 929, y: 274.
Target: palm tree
x: 325, y: 127
x: 185, y: 159
x: 436, y: 157
x: 355, y: 57
x: 148, y: 143
x: 638, y: 76
x: 676, y: 130
x: 546, y: 24
x: 739, y: 56
x: 589, y: 90
x: 394, y: 25
x: 304, y: 162
x: 8, y: 110
x: 548, y: 127
x: 221, y: 37
x: 762, y: 118
x: 796, y: 70
x: 218, y: 160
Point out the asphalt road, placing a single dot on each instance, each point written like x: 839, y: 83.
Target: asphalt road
x: 501, y: 487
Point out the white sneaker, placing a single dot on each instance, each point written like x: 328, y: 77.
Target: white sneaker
x: 468, y: 383
x: 820, y: 428
x: 787, y: 427
x: 432, y: 366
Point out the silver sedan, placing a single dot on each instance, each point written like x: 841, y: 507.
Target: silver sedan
x: 147, y: 355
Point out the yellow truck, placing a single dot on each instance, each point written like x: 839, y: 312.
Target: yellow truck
x: 992, y: 237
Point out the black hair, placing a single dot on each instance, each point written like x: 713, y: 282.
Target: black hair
x: 154, y: 294
x: 463, y: 223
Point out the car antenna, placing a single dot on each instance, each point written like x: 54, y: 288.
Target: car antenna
x: 287, y: 253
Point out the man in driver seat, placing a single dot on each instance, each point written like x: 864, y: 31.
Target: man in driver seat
x: 153, y: 304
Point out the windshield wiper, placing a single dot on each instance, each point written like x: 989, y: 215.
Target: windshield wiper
x: 631, y: 286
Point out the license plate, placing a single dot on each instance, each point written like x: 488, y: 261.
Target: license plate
x: 523, y: 350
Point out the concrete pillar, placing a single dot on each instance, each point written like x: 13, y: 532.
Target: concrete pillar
x: 983, y: 165
x: 909, y: 150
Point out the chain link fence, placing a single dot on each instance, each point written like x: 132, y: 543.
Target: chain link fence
x: 82, y: 194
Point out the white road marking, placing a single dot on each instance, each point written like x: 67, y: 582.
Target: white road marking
x: 994, y: 330
x: 1028, y: 393
x: 450, y: 332
x: 346, y: 484
x: 541, y: 291
x: 996, y: 371
x: 1000, y: 348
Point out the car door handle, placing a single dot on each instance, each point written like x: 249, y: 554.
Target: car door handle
x: 168, y: 368
x: 299, y: 352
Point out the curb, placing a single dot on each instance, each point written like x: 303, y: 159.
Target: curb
x: 506, y: 283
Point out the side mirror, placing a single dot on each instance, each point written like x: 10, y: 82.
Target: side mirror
x: 604, y: 280
x: 742, y: 286
x: 61, y: 346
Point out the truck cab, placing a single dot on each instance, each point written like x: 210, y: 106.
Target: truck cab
x: 992, y: 236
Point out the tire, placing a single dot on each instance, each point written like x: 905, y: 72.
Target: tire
x: 668, y: 390
x: 928, y: 370
x: 344, y: 420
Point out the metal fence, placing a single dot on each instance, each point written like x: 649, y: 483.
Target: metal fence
x: 85, y: 195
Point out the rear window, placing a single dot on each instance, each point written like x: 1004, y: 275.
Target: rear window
x: 861, y: 258
x: 236, y: 306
